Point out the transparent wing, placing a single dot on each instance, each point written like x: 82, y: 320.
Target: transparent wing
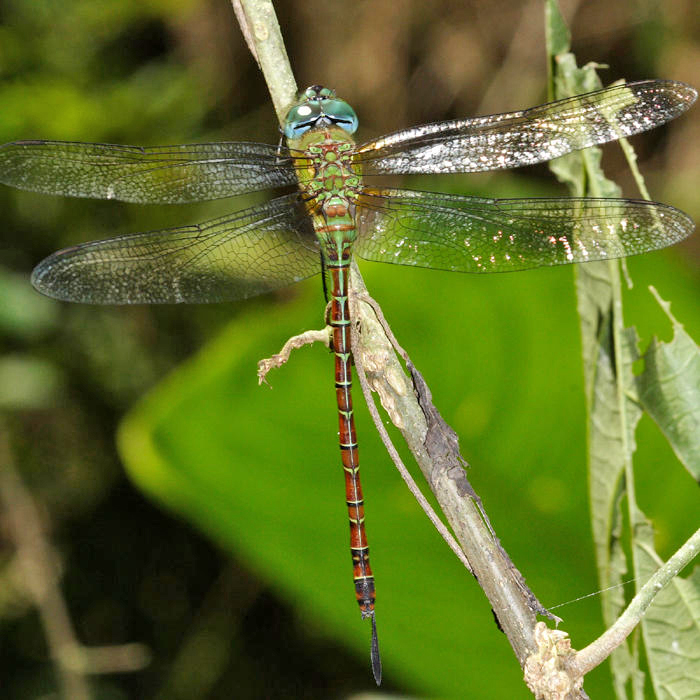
x: 530, y: 136
x: 470, y: 234
x: 161, y: 174
x: 233, y: 257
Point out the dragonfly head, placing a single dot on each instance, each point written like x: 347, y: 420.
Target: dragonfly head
x: 318, y: 106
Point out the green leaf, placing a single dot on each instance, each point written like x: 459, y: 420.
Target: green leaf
x: 671, y: 625
x: 557, y: 33
x: 669, y: 389
x: 671, y: 397
x: 613, y: 417
x: 258, y: 469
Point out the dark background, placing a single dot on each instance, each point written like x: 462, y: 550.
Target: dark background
x: 216, y: 621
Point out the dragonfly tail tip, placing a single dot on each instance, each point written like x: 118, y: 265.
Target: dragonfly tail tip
x: 376, y: 659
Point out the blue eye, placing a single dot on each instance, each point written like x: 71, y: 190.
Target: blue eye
x: 342, y: 114
x: 301, y: 118
x: 320, y: 107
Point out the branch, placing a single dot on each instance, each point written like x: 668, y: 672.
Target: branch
x: 294, y: 343
x: 556, y: 671
x: 40, y: 575
x: 393, y: 452
x: 262, y: 34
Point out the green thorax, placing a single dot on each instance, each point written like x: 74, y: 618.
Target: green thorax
x: 328, y: 170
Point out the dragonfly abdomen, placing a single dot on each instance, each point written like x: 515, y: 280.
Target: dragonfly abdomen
x: 340, y: 324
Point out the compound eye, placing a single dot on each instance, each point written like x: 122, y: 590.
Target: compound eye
x: 341, y: 114
x: 300, y: 119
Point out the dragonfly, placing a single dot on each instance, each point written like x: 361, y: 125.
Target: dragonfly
x: 333, y: 212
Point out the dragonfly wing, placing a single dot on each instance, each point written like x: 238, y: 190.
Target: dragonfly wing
x: 160, y: 174
x: 471, y: 234
x: 531, y: 136
x: 233, y: 257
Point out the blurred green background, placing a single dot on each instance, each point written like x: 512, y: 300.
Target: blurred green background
x: 233, y: 569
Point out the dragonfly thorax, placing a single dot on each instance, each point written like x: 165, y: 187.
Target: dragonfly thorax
x: 328, y: 168
x: 330, y: 182
x: 318, y: 107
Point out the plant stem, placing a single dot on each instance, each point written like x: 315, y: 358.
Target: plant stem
x: 37, y: 564
x: 596, y: 652
x: 262, y: 34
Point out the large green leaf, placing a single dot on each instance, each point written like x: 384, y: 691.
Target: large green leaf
x: 258, y: 468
